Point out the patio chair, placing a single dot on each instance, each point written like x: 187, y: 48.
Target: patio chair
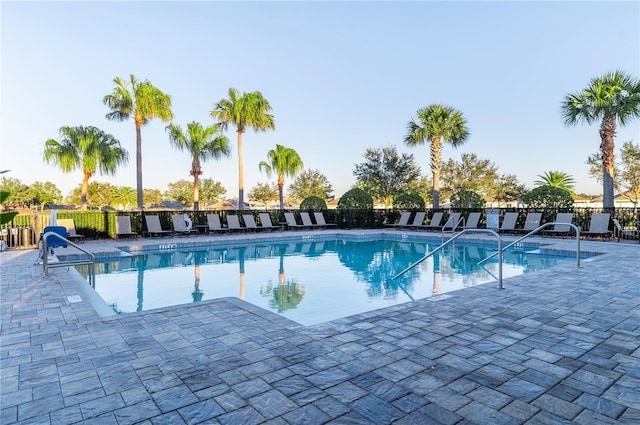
x: 71, y: 229
x: 321, y: 221
x: 624, y: 233
x: 265, y: 222
x: 417, y: 221
x: 472, y: 221
x: 306, y: 221
x: 434, y: 224
x: 598, y: 226
x: 560, y: 229
x: 509, y: 223
x: 123, y: 227
x: 250, y: 222
x: 404, y: 220
x: 233, y: 223
x: 154, y: 228
x: 213, y: 221
x: 532, y: 222
x: 452, y: 223
x: 292, y: 223
x: 180, y: 225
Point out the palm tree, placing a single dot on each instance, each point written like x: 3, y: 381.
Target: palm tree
x: 88, y: 149
x: 249, y: 110
x: 283, y: 162
x: 612, y: 99
x: 202, y: 143
x: 556, y: 179
x: 437, y: 123
x: 123, y: 196
x: 144, y: 102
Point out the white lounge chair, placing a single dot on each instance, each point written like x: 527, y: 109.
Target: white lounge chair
x: 452, y: 223
x: 233, y: 222
x: 213, y: 221
x: 306, y: 221
x: 404, y: 220
x: 123, y: 227
x: 532, y: 222
x: 472, y: 221
x: 321, y: 221
x: 154, y: 228
x: 71, y: 229
x: 509, y: 223
x: 434, y: 224
x: 250, y: 222
x: 598, y: 226
x: 560, y: 229
x: 265, y: 222
x: 417, y: 221
x: 180, y: 225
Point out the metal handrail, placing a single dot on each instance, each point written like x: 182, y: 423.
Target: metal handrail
x: 453, y: 229
x: 45, y: 261
x: 536, y: 230
x: 453, y: 238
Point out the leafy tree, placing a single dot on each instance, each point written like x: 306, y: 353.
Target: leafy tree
x: 548, y: 197
x: 356, y: 198
x: 5, y: 216
x: 151, y: 196
x: 264, y: 193
x: 180, y: 191
x: 202, y: 143
x: 98, y: 195
x: 507, y: 188
x: 311, y: 183
x: 612, y: 99
x: 557, y: 179
x: 470, y: 174
x: 211, y: 191
x: 44, y: 193
x: 626, y: 170
x: 435, y: 124
x: 313, y: 203
x: 283, y: 162
x: 88, y: 149
x: 18, y: 193
x: 423, y: 187
x: 144, y: 102
x: 245, y: 111
x: 385, y: 173
x: 123, y: 196
x: 408, y: 201
x: 467, y: 199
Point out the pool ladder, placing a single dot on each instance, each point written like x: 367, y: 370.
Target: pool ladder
x: 500, y: 248
x: 46, y: 265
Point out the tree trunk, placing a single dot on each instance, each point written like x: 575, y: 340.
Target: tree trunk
x: 84, y: 190
x: 195, y: 172
x: 607, y: 135
x: 436, y: 162
x: 139, y: 165
x: 280, y: 191
x: 240, y: 173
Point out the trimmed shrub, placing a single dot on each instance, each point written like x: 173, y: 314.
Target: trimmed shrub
x: 467, y: 199
x: 408, y: 201
x: 548, y: 197
x: 313, y: 203
x: 356, y: 199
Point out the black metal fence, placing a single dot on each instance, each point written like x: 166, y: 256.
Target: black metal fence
x: 25, y: 229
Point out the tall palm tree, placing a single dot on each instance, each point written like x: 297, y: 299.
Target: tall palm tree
x: 249, y: 110
x: 283, y: 162
x: 123, y: 196
x: 612, y: 99
x: 556, y: 179
x: 202, y: 143
x: 88, y: 149
x: 144, y: 102
x: 435, y: 124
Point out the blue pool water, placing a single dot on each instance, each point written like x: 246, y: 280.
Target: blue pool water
x: 310, y: 281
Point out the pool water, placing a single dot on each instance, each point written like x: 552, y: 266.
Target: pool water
x: 309, y: 282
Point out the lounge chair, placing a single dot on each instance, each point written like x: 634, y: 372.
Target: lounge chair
x: 321, y: 221
x: 265, y: 222
x: 598, y: 226
x: 250, y: 222
x: 123, y: 227
x: 180, y: 225
x: 291, y: 221
x: 154, y: 228
x: 532, y: 222
x: 233, y: 223
x: 622, y: 233
x: 560, y: 229
x: 509, y: 223
x: 71, y: 229
x: 434, y: 224
x: 417, y: 221
x: 404, y: 220
x: 213, y: 221
x: 472, y: 221
x: 452, y: 223
x: 306, y: 221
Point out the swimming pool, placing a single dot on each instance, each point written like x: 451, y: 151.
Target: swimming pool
x: 309, y: 281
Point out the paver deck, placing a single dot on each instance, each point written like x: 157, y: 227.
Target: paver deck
x: 556, y: 346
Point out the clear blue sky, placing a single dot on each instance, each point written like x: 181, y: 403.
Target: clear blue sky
x: 340, y: 76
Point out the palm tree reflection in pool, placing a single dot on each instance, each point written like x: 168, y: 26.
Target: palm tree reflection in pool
x: 288, y: 293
